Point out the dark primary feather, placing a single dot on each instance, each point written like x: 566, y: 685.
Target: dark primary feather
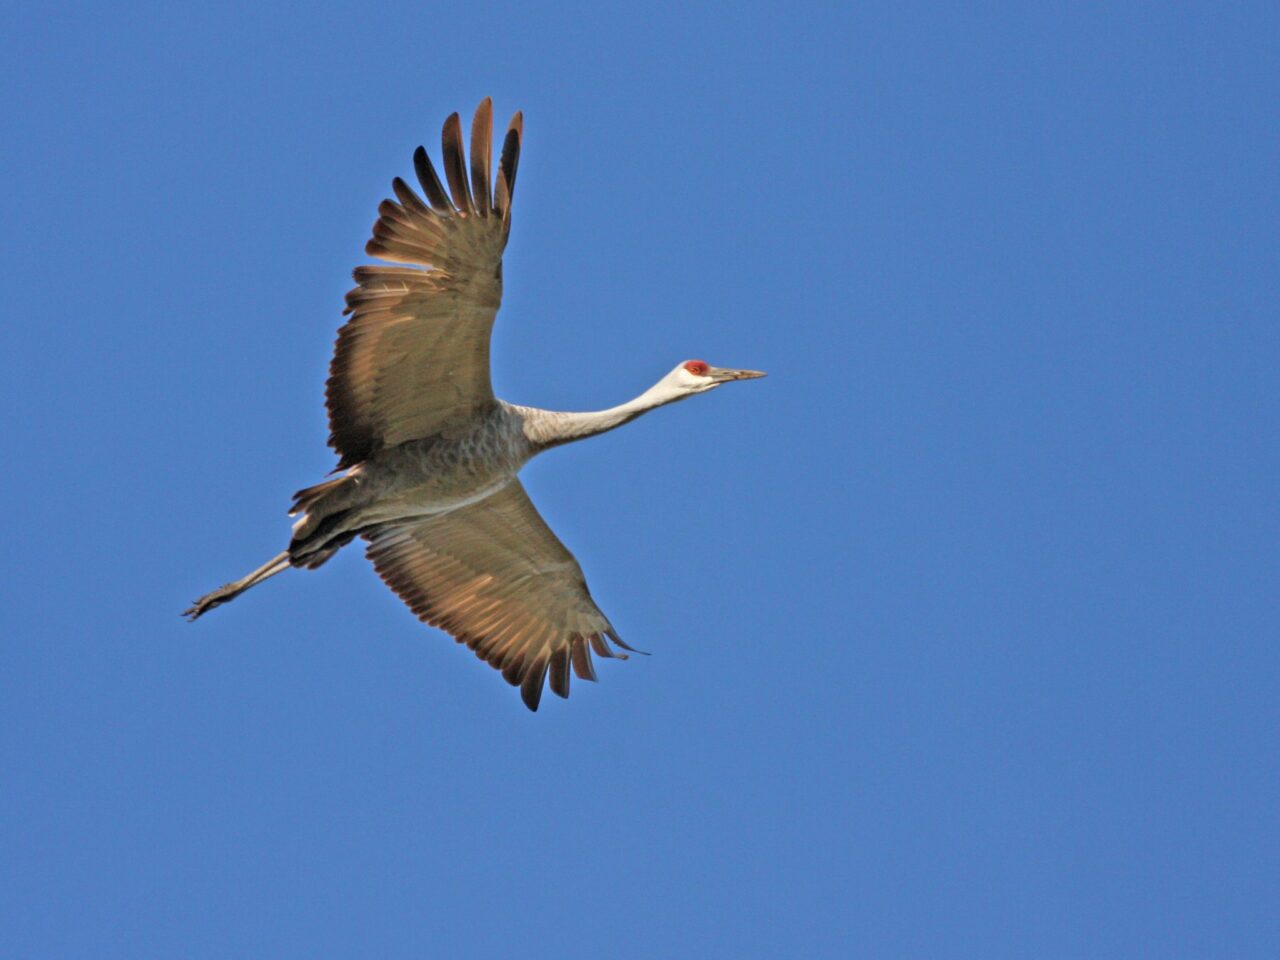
x: 560, y: 672
x: 430, y: 181
x: 411, y: 201
x: 481, y: 147
x: 455, y: 167
x: 507, y: 163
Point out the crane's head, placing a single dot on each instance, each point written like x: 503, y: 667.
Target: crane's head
x: 698, y: 376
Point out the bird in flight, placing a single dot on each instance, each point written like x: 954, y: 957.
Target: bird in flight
x: 428, y: 455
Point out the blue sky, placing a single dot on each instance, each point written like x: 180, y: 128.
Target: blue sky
x: 963, y: 622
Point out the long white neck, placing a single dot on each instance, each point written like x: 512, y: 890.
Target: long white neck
x: 551, y: 427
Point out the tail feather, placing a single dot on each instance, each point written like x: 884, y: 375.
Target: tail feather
x: 307, y: 497
x: 224, y: 594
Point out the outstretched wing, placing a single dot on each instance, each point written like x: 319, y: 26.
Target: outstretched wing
x: 413, y: 360
x: 494, y: 576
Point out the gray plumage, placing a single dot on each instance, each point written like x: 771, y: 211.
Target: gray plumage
x: 430, y: 455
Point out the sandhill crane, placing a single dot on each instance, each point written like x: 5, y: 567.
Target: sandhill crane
x: 429, y: 455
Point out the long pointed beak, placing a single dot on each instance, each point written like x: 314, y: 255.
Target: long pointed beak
x: 725, y: 375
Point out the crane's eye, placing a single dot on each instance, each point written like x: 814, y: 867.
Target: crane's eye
x: 697, y: 368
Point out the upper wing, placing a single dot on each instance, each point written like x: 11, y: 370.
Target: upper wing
x: 494, y: 576
x: 413, y: 360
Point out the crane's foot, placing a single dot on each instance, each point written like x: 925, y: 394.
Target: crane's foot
x: 215, y: 599
x: 236, y: 587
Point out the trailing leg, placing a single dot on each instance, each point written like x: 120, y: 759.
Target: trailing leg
x: 277, y: 564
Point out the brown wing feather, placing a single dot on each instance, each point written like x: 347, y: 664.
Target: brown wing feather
x: 494, y: 576
x: 455, y: 166
x: 413, y: 360
x: 481, y: 148
x: 506, y: 186
x: 430, y: 181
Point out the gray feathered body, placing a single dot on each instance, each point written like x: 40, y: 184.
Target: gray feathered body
x: 418, y: 479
